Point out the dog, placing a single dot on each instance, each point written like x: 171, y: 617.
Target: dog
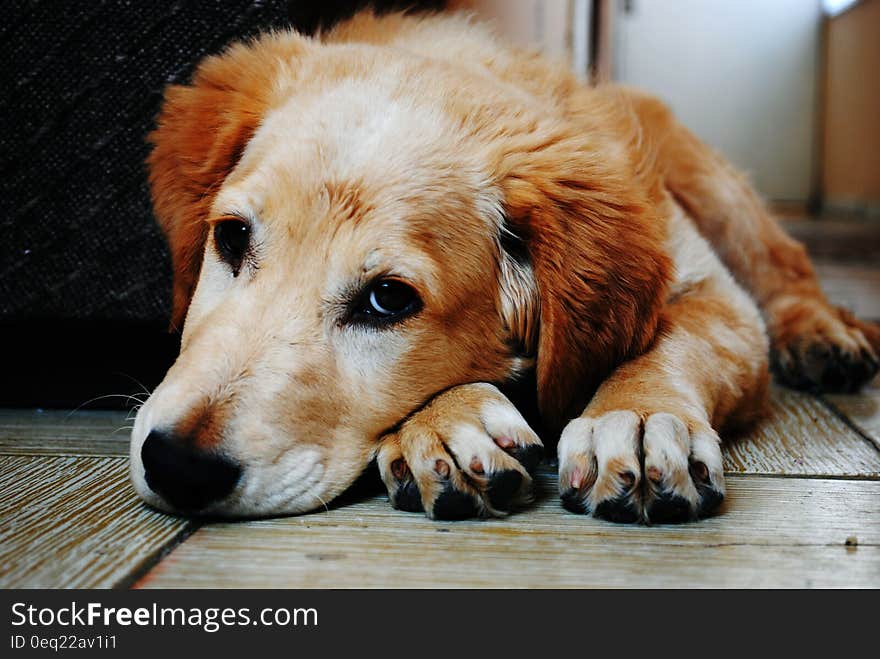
x: 402, y: 241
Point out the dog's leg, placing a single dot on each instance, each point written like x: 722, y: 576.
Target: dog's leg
x: 814, y: 345
x: 647, y: 447
x: 467, y: 453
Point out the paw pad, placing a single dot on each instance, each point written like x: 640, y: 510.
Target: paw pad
x: 453, y: 504
x: 620, y: 509
x: 503, y: 487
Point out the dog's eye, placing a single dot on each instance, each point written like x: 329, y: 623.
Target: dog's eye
x: 232, y: 238
x: 388, y: 300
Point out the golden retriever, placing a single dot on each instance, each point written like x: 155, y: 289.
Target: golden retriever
x: 383, y: 235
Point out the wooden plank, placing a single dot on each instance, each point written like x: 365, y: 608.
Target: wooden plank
x: 773, y: 532
x: 59, y: 432
x: 70, y: 522
x: 800, y: 437
x: 862, y: 409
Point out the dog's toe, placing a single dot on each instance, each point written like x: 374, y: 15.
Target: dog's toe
x: 599, y: 471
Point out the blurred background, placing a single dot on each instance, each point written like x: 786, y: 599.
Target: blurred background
x: 788, y: 90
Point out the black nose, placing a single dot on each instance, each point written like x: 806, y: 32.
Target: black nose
x: 185, y: 476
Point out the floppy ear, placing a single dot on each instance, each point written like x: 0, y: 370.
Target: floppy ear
x: 596, y: 250
x: 201, y: 132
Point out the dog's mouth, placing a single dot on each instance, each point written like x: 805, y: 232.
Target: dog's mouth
x: 222, y: 489
x: 181, y: 478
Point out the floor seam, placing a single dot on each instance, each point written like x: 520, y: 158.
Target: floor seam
x: 818, y: 477
x: 156, y: 557
x: 770, y: 545
x: 852, y: 425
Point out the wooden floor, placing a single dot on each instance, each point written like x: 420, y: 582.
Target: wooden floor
x: 803, y: 510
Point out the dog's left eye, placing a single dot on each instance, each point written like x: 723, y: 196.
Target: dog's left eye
x: 387, y: 300
x: 232, y: 237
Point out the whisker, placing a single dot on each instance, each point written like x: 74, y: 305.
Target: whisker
x: 97, y: 398
x: 136, y: 381
x: 323, y: 503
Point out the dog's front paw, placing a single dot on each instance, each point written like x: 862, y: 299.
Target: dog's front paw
x: 618, y: 468
x: 468, y: 453
x: 821, y: 348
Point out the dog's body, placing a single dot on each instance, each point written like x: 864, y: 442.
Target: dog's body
x: 369, y: 228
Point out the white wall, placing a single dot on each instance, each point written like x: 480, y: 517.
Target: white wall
x: 742, y: 74
x: 542, y: 24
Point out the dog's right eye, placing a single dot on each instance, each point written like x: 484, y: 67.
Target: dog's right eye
x: 232, y: 238
x: 385, y: 302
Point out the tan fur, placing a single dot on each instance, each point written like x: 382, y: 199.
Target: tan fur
x: 772, y: 266
x: 422, y: 148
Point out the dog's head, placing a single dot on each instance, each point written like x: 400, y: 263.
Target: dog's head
x: 353, y: 231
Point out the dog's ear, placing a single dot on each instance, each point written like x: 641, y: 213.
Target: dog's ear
x: 201, y: 132
x: 595, y: 246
